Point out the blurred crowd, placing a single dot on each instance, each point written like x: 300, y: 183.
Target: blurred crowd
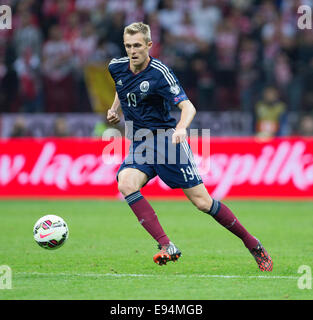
x: 246, y: 55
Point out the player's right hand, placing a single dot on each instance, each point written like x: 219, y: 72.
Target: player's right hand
x: 113, y: 117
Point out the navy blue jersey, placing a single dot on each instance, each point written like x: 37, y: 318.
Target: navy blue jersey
x: 146, y: 98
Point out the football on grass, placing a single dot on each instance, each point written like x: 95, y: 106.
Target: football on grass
x: 50, y: 232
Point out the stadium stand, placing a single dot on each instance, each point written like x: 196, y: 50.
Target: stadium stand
x: 226, y: 53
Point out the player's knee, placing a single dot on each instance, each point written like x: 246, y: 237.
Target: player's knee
x: 126, y: 187
x: 203, y: 205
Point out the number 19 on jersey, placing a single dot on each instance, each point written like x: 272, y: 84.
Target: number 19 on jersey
x: 132, y: 101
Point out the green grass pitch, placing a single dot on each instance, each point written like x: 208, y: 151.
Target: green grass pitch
x: 108, y: 255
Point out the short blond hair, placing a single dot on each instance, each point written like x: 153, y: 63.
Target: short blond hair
x: 137, y: 27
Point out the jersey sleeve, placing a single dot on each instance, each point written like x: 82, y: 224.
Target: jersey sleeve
x: 111, y: 69
x: 169, y: 87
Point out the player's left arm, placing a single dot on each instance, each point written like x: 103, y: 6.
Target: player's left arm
x: 188, y: 112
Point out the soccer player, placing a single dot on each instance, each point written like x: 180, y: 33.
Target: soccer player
x: 145, y: 90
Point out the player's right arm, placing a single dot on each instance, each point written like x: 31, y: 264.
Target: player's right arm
x: 112, y: 115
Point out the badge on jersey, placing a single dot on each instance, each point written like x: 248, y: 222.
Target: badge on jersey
x: 144, y: 86
x: 175, y: 89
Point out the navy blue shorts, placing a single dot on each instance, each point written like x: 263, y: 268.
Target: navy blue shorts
x: 155, y: 155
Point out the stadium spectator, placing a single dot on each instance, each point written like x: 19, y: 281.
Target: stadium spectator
x: 27, y: 67
x: 169, y: 51
x: 308, y: 87
x: 227, y: 41
x: 136, y: 13
x: 282, y: 73
x: 100, y: 19
x: 206, y: 18
x: 204, y: 96
x: 249, y: 73
x: 269, y: 112
x: 201, y: 76
x: 21, y: 8
x: 60, y: 127
x: 57, y: 70
x: 305, y: 126
x: 116, y: 29
x: 19, y: 129
x: 8, y: 84
x: 27, y: 35
x: 152, y: 19
x: 104, y: 51
x: 305, y: 49
x: 84, y: 48
x: 87, y: 6
x: 58, y: 11
x: 120, y: 6
x: 72, y: 29
x: 169, y: 15
x: 185, y: 35
x: 84, y: 45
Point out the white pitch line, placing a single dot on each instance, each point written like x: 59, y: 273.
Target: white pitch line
x: 133, y: 275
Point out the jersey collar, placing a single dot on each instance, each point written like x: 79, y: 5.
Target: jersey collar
x: 148, y: 65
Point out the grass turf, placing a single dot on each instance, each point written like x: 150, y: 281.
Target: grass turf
x: 109, y: 255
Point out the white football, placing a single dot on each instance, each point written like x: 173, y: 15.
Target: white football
x: 50, y: 232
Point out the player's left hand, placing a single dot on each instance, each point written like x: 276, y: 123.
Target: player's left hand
x: 179, y: 135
